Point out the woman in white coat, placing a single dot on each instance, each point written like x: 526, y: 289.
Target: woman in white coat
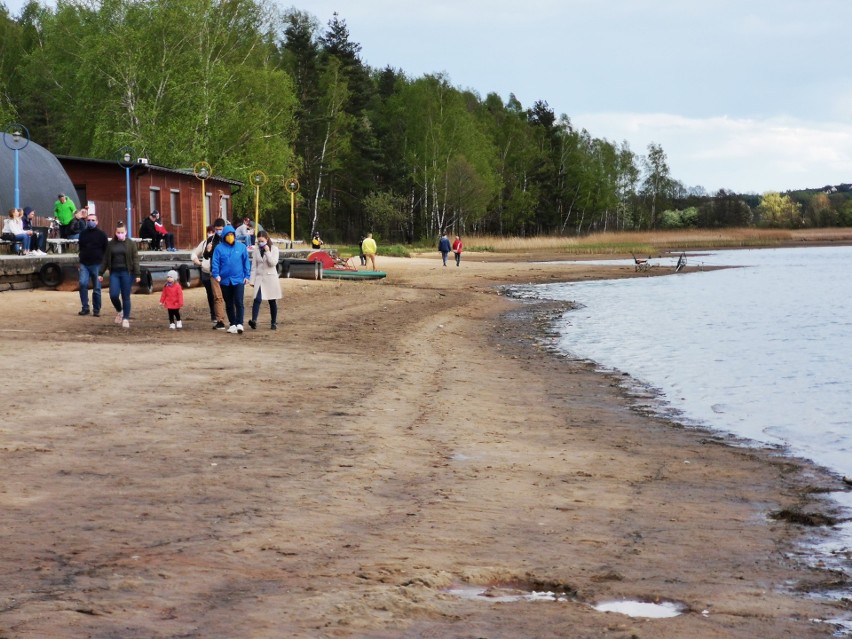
x: 264, y: 278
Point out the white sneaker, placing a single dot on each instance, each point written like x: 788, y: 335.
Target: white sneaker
x: 118, y: 317
x: 172, y: 326
x: 232, y: 328
x: 179, y: 324
x: 125, y: 323
x: 239, y: 328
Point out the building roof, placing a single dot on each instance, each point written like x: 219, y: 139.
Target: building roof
x: 153, y: 167
x: 41, y: 179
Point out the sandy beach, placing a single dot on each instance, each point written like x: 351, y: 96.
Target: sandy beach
x: 393, y: 449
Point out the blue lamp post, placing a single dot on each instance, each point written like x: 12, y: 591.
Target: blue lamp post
x: 125, y: 160
x: 16, y: 137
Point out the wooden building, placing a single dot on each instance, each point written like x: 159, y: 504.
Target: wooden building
x: 175, y: 193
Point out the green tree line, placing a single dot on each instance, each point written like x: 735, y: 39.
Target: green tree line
x: 246, y: 86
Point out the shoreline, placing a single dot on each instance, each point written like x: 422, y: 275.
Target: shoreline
x: 412, y: 435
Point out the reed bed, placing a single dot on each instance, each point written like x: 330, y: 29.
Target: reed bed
x: 650, y: 242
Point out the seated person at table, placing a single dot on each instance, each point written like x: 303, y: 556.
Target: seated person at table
x: 38, y: 239
x: 245, y: 232
x: 161, y: 229
x: 152, y: 230
x: 13, y: 231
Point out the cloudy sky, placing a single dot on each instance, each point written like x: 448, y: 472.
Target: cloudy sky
x: 749, y: 95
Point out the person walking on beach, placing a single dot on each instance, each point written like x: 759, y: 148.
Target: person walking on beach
x: 264, y: 279
x: 121, y: 259
x: 457, y: 249
x: 444, y: 247
x: 200, y: 256
x: 172, y: 299
x: 230, y: 267
x: 369, y: 249
x: 91, y: 248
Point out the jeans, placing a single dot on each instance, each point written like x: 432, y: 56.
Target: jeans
x: 206, y: 280
x: 89, y: 273
x: 24, y: 239
x: 444, y: 257
x: 120, y: 285
x: 234, y: 303
x: 255, y: 308
x: 458, y: 257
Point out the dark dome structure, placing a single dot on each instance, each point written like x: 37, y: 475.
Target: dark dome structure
x: 41, y: 177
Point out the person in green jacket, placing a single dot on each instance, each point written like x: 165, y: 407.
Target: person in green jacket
x: 63, y: 210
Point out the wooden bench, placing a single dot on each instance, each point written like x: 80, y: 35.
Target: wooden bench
x: 60, y: 245
x: 9, y: 247
x: 640, y: 264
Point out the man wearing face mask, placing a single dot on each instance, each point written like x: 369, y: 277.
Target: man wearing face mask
x: 230, y: 267
x: 91, y: 245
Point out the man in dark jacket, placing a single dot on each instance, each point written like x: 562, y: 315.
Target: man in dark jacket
x: 444, y: 247
x: 92, y: 244
x: 148, y: 230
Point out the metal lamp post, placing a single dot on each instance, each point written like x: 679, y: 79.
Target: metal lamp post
x: 292, y: 185
x: 16, y: 137
x: 258, y: 179
x: 125, y: 160
x: 202, y: 170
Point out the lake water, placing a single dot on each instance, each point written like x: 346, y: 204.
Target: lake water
x: 763, y: 351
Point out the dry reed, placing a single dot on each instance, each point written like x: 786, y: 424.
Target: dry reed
x: 644, y: 242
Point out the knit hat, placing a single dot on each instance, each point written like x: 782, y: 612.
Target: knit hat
x: 27, y: 210
x: 172, y: 274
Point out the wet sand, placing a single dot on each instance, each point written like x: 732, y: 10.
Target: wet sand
x: 391, y: 441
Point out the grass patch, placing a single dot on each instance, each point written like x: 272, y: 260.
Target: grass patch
x: 353, y: 250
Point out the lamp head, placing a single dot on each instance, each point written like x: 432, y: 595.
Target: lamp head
x: 127, y: 157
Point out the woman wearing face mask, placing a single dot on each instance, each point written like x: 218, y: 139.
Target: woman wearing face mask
x: 264, y: 279
x: 121, y: 259
x: 230, y: 267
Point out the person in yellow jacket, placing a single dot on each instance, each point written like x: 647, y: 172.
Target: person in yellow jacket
x: 368, y: 248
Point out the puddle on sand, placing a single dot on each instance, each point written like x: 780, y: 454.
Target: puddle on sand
x: 639, y: 609
x: 505, y: 595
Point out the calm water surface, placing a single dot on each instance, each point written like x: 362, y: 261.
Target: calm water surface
x: 761, y: 351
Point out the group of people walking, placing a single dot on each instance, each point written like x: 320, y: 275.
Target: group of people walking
x: 444, y: 247
x: 226, y: 268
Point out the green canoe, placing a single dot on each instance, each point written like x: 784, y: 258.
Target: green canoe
x: 335, y: 274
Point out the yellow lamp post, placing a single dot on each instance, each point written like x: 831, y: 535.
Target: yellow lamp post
x: 202, y: 171
x: 292, y: 185
x: 258, y: 179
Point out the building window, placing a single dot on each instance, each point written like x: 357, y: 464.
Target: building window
x: 223, y: 206
x: 154, y: 203
x: 175, y: 202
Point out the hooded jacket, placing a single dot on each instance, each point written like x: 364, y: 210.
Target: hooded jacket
x: 230, y: 261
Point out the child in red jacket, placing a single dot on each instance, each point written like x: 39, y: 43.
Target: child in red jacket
x: 172, y: 299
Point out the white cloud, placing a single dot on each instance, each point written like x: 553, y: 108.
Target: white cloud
x: 741, y: 154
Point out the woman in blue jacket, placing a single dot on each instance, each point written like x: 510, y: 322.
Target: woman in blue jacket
x: 231, y: 268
